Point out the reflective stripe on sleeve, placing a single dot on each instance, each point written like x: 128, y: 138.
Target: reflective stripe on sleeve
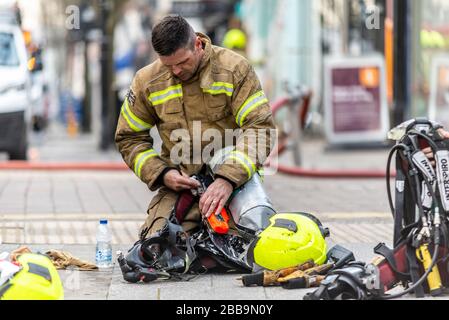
x: 221, y: 87
x: 245, y: 161
x: 133, y: 121
x: 168, y: 94
x: 252, y: 103
x: 141, y: 159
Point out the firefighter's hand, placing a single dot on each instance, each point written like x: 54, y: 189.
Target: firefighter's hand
x: 443, y: 133
x: 178, y: 182
x: 215, y: 197
x: 428, y: 151
x: 429, y: 154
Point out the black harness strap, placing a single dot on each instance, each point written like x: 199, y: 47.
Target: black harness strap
x: 415, y: 271
x: 399, y: 200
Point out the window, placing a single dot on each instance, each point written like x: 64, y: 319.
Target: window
x: 8, y: 51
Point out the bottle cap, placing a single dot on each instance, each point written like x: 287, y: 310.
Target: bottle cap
x: 103, y: 221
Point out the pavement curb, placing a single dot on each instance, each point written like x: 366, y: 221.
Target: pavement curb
x: 81, y: 166
x: 115, y: 166
x: 140, y: 216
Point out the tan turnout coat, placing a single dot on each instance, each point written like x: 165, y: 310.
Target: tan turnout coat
x: 225, y: 94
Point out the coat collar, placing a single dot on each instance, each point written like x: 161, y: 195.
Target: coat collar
x: 207, y: 67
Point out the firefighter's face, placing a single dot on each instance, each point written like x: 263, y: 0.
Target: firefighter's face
x: 184, y: 63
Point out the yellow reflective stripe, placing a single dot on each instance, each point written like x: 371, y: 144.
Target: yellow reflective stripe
x: 141, y: 159
x: 223, y: 84
x: 133, y: 121
x: 252, y: 103
x: 221, y: 87
x: 245, y: 161
x: 163, y: 96
x: 243, y: 164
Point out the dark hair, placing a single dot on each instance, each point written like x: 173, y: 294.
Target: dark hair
x: 172, y: 34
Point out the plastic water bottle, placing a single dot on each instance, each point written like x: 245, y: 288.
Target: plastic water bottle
x: 103, y: 253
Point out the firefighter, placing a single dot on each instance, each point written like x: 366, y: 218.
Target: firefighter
x: 194, y: 87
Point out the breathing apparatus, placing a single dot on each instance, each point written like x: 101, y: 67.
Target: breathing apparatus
x: 244, y: 236
x: 277, y: 240
x: 421, y: 203
x: 420, y: 211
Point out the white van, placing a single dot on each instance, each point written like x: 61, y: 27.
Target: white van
x: 15, y: 100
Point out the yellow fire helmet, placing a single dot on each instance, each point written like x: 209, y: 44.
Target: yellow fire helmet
x: 37, y: 280
x: 290, y: 240
x: 235, y: 39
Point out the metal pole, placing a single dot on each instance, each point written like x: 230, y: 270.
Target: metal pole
x: 87, y: 113
x: 345, y: 26
x: 402, y: 60
x: 295, y: 127
x: 380, y: 34
x: 105, y: 77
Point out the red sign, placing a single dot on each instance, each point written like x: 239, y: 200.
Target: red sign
x: 356, y: 99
